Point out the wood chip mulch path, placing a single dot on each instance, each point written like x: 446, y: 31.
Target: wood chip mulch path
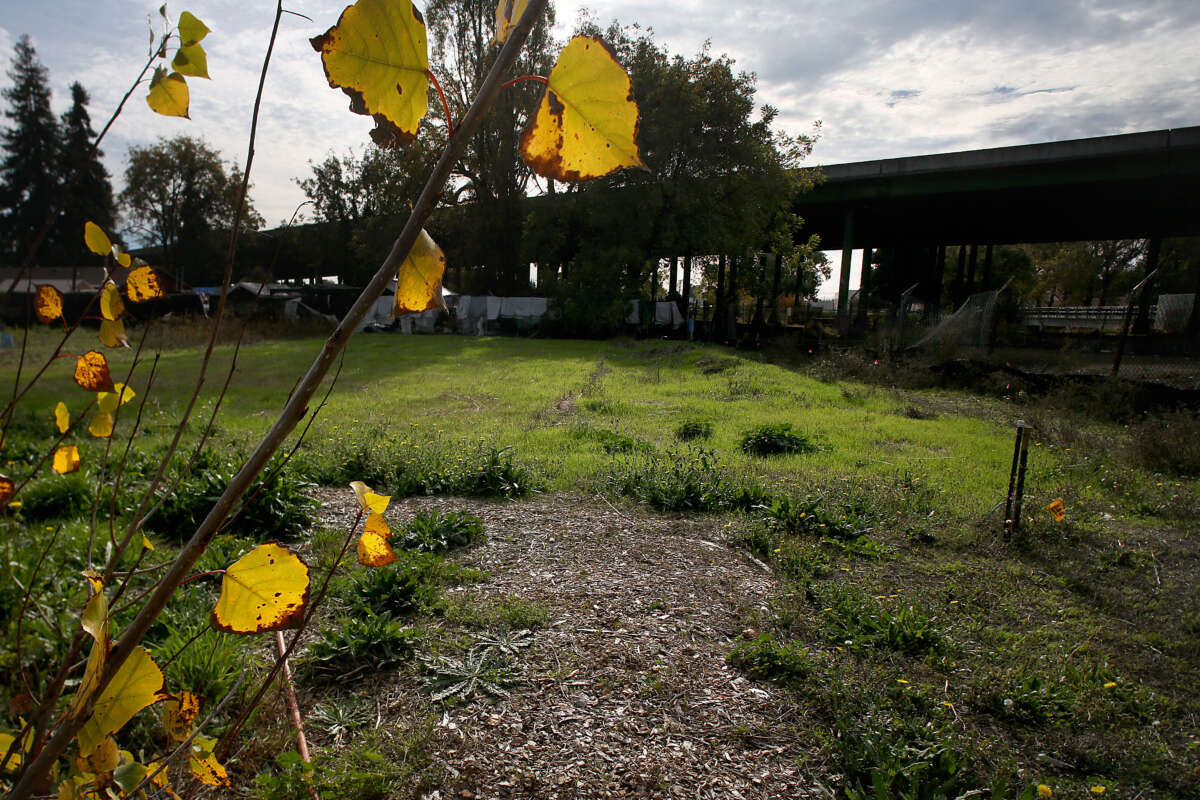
x: 626, y: 691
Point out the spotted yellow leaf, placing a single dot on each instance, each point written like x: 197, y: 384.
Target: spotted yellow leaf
x: 168, y: 94
x: 204, y: 765
x: 112, y: 333
x: 66, y: 459
x: 143, y: 284
x: 374, y: 551
x: 7, y: 488
x: 191, y: 30
x: 111, y: 304
x: 62, y: 417
x: 508, y: 14
x: 586, y: 125
x: 264, y: 590
x: 178, y: 715
x: 369, y: 501
x: 137, y: 684
x: 377, y: 54
x: 6, y: 741
x: 101, y: 425
x: 48, y: 303
x: 96, y: 239
x: 419, y: 284
x: 377, y: 525
x: 91, y: 372
x: 119, y: 396
x: 104, y: 758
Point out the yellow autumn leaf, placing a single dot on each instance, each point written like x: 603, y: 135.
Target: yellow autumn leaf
x: 101, y: 425
x: 119, y: 396
x: 66, y: 459
x: 123, y: 258
x: 111, y: 304
x: 146, y: 543
x: 191, y: 30
x: 137, y: 684
x: 377, y: 54
x: 62, y: 417
x: 191, y: 60
x: 91, y: 372
x: 168, y: 94
x: 586, y: 125
x: 508, y: 14
x: 419, y: 284
x: 112, y: 333
x: 370, y: 502
x: 204, y: 765
x: 374, y: 551
x: 6, y: 741
x: 96, y: 239
x: 264, y: 590
x: 143, y: 284
x: 48, y: 303
x: 377, y: 525
x: 94, y: 622
x: 178, y: 715
x: 7, y: 488
x: 104, y: 758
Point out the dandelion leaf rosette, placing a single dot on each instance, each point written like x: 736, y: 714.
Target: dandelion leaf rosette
x: 143, y: 284
x: 586, y: 125
x: 137, y: 684
x: 48, y: 303
x: 419, y: 283
x: 264, y: 590
x: 377, y: 54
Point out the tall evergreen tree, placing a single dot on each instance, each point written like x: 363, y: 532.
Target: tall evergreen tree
x: 28, y: 181
x: 92, y: 197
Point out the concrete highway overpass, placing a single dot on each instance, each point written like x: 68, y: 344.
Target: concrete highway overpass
x: 1138, y: 185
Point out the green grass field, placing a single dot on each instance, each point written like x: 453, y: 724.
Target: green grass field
x: 1081, y: 638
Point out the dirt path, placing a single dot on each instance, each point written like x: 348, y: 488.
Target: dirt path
x: 626, y: 691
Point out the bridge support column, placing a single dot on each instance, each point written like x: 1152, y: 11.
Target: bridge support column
x: 1141, y: 324
x: 864, y: 289
x: 987, y: 267
x: 958, y: 295
x: 843, y: 304
x: 972, y: 262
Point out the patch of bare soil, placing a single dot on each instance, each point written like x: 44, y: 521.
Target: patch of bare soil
x: 626, y: 691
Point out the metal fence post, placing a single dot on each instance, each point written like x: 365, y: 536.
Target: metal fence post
x: 1012, y: 479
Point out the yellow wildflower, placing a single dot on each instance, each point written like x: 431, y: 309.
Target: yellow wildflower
x: 1098, y: 790
x: 1045, y: 791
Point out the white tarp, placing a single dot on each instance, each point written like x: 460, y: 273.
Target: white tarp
x: 666, y: 313
x: 522, y: 307
x: 380, y: 313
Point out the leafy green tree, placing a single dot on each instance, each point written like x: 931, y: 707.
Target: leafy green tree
x: 92, y: 196
x: 29, y: 180
x: 491, y: 174
x: 180, y: 199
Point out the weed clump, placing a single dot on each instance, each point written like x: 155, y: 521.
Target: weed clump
x: 356, y: 644
x: 776, y: 439
x: 690, y: 480
x: 691, y: 429
x: 437, y: 532
x: 857, y: 622
x: 57, y: 497
x: 767, y: 659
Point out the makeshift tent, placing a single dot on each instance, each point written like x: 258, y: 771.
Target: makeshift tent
x: 666, y: 313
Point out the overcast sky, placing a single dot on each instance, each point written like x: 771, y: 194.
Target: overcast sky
x: 887, y: 78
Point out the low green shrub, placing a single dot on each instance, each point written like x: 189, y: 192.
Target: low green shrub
x: 277, y: 505
x: 437, y: 532
x: 858, y: 622
x: 356, y: 645
x: 776, y: 439
x: 412, y: 584
x: 687, y: 480
x: 610, y: 442
x: 691, y: 429
x: 766, y: 659
x: 57, y: 497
